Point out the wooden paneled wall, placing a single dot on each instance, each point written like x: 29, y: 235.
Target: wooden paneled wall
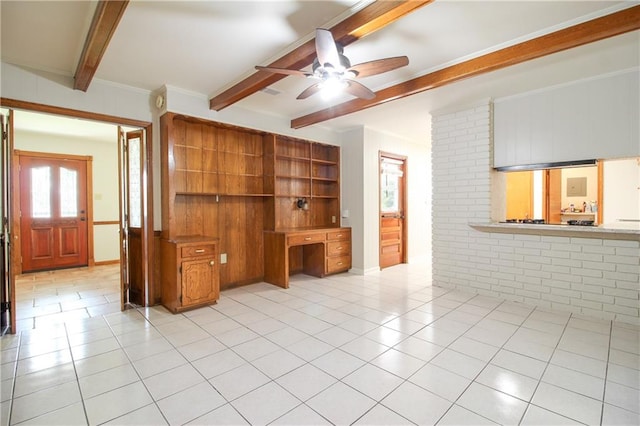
x: 218, y: 186
x: 233, y: 183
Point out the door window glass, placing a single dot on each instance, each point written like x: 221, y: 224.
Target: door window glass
x: 389, y: 184
x: 68, y: 192
x: 135, y: 184
x: 41, y: 192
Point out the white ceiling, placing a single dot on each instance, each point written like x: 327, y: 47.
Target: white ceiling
x: 207, y: 46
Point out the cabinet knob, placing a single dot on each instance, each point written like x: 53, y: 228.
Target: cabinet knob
x: 211, y: 263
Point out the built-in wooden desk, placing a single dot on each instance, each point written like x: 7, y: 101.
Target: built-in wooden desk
x: 313, y: 251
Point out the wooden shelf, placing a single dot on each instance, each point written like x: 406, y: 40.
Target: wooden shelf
x: 327, y: 162
x: 322, y: 179
x: 293, y: 177
x: 221, y: 194
x: 328, y: 197
x: 292, y: 158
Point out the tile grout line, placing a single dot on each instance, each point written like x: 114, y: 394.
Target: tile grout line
x: 606, y: 372
x: 75, y: 372
x: 15, y: 376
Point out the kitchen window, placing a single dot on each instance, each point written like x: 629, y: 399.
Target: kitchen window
x: 605, y: 193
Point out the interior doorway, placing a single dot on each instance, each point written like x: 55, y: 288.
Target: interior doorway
x: 393, y: 209
x: 102, y: 269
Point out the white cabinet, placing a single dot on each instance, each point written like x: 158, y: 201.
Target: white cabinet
x: 590, y: 119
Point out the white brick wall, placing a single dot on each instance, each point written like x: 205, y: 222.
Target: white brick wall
x: 594, y: 277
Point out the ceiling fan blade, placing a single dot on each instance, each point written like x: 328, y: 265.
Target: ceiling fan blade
x: 359, y: 90
x: 326, y: 48
x: 283, y: 71
x: 311, y: 90
x: 379, y: 66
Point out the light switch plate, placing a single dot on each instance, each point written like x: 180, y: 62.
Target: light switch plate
x: 223, y: 258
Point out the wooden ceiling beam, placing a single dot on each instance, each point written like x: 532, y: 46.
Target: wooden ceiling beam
x: 103, y: 26
x: 371, y: 18
x: 597, y: 29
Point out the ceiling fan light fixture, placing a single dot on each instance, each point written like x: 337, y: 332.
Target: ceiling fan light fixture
x: 332, y: 87
x: 350, y: 74
x: 335, y: 72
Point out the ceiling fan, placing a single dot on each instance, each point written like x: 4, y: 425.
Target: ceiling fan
x: 334, y: 70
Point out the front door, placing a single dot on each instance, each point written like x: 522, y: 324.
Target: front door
x: 392, y: 210
x: 53, y: 211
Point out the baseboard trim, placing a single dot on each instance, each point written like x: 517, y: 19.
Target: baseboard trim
x: 107, y: 262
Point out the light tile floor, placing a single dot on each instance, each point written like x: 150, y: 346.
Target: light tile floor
x: 66, y: 294
x: 381, y: 349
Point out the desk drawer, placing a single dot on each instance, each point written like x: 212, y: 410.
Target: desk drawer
x: 296, y: 240
x: 203, y: 250
x: 340, y: 235
x: 340, y: 263
x: 338, y: 248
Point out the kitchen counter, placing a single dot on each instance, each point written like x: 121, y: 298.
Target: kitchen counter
x: 614, y: 231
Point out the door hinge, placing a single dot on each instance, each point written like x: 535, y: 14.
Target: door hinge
x: 5, y: 306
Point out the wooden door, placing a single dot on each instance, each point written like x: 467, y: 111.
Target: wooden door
x: 53, y: 211
x: 392, y: 210
x: 520, y: 195
x: 7, y: 294
x: 133, y: 247
x: 553, y: 195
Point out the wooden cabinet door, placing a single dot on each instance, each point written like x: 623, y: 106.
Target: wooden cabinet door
x: 198, y: 281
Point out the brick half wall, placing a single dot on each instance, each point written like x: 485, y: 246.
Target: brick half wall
x: 594, y: 277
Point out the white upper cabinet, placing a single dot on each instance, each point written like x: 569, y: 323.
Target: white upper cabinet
x: 589, y: 119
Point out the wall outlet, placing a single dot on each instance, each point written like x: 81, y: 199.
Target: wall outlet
x: 223, y: 258
x: 333, y: 219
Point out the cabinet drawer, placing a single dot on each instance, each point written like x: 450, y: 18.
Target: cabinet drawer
x: 340, y: 263
x: 296, y: 240
x: 339, y: 235
x: 203, y: 250
x: 338, y: 248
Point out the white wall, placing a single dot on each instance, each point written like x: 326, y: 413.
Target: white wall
x: 621, y: 190
x: 105, y: 181
x: 352, y: 193
x: 360, y: 194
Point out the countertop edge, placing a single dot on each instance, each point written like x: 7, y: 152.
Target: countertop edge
x: 559, y: 230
